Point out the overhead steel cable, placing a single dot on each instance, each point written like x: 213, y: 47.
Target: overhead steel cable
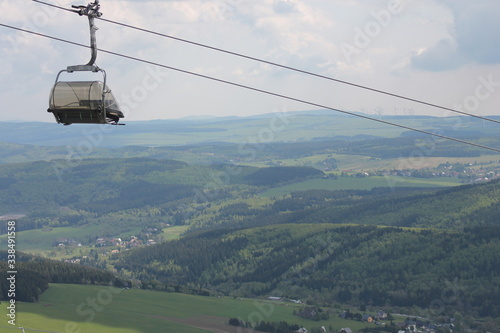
x: 360, y: 86
x: 256, y: 89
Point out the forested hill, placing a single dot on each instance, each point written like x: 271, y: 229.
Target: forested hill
x: 381, y: 266
x: 384, y: 246
x: 459, y: 207
x: 119, y: 193
x: 454, y: 208
x: 300, y: 247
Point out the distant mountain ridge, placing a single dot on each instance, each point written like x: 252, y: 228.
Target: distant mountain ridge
x: 272, y: 127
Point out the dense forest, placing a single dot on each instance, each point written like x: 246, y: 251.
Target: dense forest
x: 124, y: 192
x: 102, y: 189
x: 455, y: 208
x: 381, y: 266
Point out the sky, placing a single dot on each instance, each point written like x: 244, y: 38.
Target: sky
x: 445, y: 52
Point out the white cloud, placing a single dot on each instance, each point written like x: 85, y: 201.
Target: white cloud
x: 473, y: 37
x: 440, y: 57
x: 426, y: 44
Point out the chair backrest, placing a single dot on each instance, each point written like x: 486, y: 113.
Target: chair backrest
x: 77, y: 95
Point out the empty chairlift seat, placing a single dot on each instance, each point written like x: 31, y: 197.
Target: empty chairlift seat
x: 83, y: 102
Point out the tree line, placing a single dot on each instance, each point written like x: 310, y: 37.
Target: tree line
x: 35, y: 274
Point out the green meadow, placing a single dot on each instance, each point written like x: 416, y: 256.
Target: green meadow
x: 91, y: 309
x: 352, y: 183
x: 174, y: 232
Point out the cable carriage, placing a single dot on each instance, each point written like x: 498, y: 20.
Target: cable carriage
x: 84, y: 102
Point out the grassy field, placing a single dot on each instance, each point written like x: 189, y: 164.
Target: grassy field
x: 82, y: 309
x: 171, y: 233
x: 357, y: 163
x: 42, y: 241
x: 350, y: 183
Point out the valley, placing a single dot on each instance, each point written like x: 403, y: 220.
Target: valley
x: 218, y: 215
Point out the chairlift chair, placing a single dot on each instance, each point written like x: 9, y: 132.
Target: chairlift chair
x: 84, y: 102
